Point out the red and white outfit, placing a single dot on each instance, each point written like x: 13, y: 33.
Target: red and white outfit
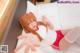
x: 58, y: 38
x: 52, y: 36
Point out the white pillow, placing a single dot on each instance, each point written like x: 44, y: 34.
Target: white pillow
x: 32, y: 8
x: 50, y: 10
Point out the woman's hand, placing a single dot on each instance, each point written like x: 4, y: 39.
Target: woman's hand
x: 47, y: 21
x: 32, y: 38
x: 30, y: 41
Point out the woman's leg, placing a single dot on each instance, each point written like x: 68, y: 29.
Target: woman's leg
x: 65, y: 31
x: 71, y: 36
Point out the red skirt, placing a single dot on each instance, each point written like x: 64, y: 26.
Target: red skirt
x: 59, y: 37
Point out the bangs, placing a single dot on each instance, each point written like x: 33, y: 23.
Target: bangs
x: 28, y: 18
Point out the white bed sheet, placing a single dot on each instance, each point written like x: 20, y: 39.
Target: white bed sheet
x: 65, y: 16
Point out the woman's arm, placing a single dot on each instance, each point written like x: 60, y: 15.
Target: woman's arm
x: 46, y: 21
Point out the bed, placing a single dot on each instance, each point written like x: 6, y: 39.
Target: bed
x: 63, y: 16
x: 60, y: 11
x: 67, y: 15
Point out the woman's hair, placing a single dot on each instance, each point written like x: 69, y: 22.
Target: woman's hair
x: 26, y: 19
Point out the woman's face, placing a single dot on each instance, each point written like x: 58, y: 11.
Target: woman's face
x: 34, y: 25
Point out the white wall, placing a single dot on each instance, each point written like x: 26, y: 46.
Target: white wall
x: 69, y: 14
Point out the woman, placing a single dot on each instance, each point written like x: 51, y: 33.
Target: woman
x: 33, y: 38
x: 31, y: 25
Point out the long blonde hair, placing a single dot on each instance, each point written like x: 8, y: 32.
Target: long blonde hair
x: 26, y: 19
